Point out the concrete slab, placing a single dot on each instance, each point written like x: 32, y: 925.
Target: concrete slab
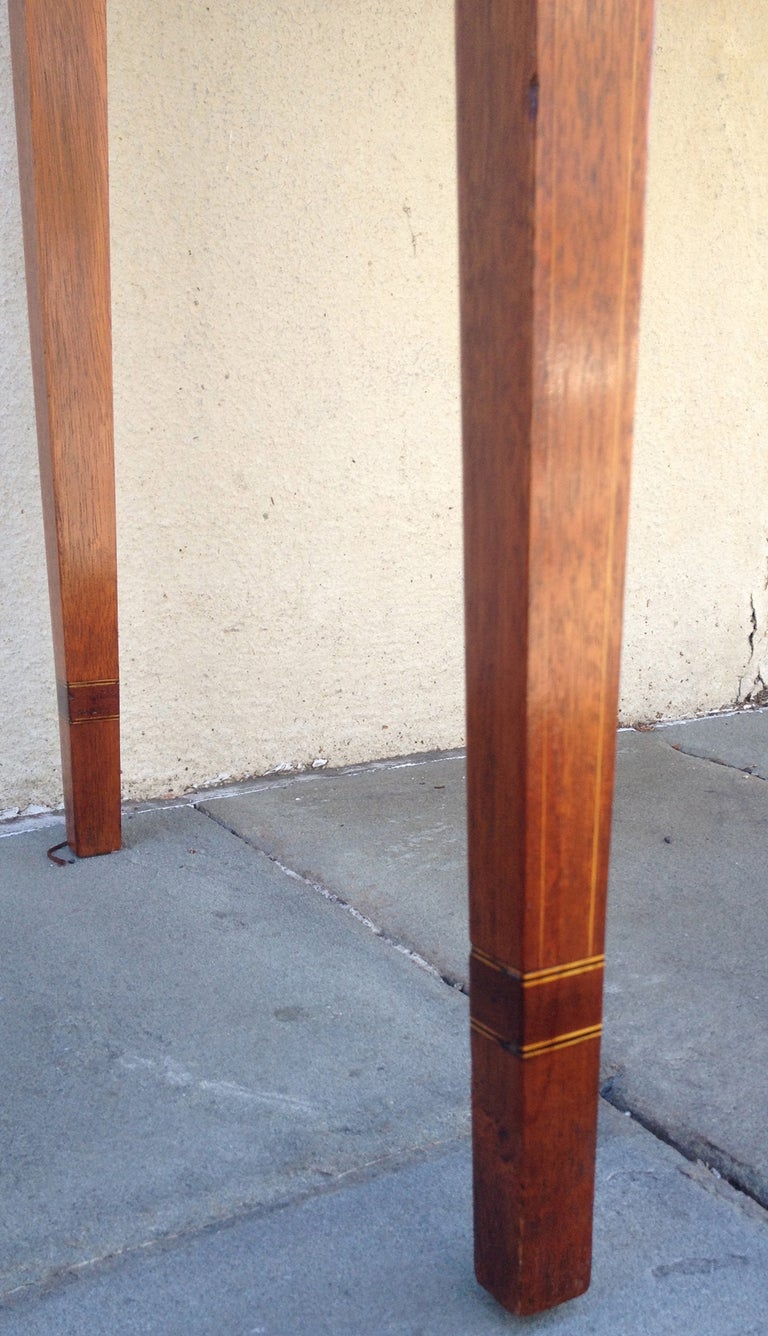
x: 686, y: 1040
x: 739, y: 740
x: 391, y: 839
x: 686, y: 1043
x: 391, y: 1255
x: 187, y: 1033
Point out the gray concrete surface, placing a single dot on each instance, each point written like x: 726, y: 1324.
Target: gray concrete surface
x: 686, y: 996
x: 186, y: 1031
x: 228, y: 1105
x: 737, y: 740
x: 390, y: 1254
x: 687, y: 975
x: 391, y: 839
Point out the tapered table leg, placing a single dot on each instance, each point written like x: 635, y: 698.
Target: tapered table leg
x: 552, y: 101
x: 59, y: 67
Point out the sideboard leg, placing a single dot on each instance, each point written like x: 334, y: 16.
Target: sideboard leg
x: 552, y: 110
x: 59, y: 67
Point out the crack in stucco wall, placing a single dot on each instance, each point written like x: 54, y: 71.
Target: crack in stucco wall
x: 753, y: 682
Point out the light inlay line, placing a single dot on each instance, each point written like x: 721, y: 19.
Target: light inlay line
x: 100, y: 682
x: 566, y: 1040
x: 531, y: 978
x: 93, y: 719
x: 548, y: 436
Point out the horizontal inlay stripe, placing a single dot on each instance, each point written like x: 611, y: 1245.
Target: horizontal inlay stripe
x: 530, y: 978
x: 544, y: 1046
x: 101, y: 682
x: 86, y: 702
x: 94, y: 719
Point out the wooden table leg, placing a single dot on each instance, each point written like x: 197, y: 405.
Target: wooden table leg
x: 59, y: 66
x: 552, y: 122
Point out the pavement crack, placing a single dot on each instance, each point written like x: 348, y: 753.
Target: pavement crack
x: 334, y: 898
x: 694, y: 1148
x: 712, y: 760
x: 66, y: 1274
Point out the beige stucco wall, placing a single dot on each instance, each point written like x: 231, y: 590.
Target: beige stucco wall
x: 285, y: 331
x: 698, y: 551
x: 28, y: 731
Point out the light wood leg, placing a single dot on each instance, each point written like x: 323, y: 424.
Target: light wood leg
x: 552, y: 101
x: 59, y: 66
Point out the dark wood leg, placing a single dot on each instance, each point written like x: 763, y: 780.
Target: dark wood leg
x: 552, y: 101
x: 59, y: 66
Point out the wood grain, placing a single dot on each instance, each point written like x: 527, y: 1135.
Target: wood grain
x: 59, y: 67
x: 552, y: 111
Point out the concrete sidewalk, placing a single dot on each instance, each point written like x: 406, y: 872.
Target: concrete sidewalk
x: 234, y: 1086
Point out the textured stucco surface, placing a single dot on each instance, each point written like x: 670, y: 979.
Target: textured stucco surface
x: 286, y: 356
x: 29, y: 739
x: 698, y: 551
x: 286, y: 368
